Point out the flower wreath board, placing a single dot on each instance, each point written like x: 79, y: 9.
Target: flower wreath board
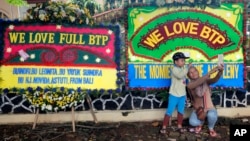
x: 49, y: 56
x: 156, y: 33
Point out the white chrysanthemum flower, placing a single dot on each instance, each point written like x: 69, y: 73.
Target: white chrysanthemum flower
x: 98, y: 60
x: 63, y: 13
x: 72, y: 19
x: 108, y: 50
x: 85, y: 57
x: 11, y: 27
x: 43, y: 107
x: 60, y: 98
x: 133, y: 58
x: 87, y: 20
x: 198, y: 55
x: 63, y: 107
x: 72, y: 92
x: 36, y: 93
x: 110, y: 32
x: 58, y: 26
x: 21, y: 59
x: 50, y: 97
x: 9, y: 50
x: 55, y: 14
x: 55, y: 9
x: 228, y: 15
x: 141, y: 19
x: 160, y: 2
x: 238, y: 56
x: 44, y: 96
x: 42, y: 17
x: 49, y: 107
x: 32, y: 56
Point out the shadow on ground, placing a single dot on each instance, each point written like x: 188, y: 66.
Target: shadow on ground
x: 114, y: 131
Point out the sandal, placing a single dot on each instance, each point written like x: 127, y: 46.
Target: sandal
x: 191, y: 130
x: 181, y: 130
x: 163, y: 131
x: 197, y: 129
x: 212, y: 133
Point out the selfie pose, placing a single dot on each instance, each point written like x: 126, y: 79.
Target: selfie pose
x: 200, y: 93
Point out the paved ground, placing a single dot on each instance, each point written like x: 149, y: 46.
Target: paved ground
x: 129, y: 131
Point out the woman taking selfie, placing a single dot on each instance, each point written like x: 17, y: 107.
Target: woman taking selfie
x: 200, y: 92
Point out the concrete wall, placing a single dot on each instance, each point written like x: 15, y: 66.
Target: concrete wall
x: 111, y: 116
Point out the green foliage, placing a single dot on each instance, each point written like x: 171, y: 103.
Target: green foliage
x: 91, y: 5
x: 59, y: 13
x: 17, y: 2
x: 163, y: 95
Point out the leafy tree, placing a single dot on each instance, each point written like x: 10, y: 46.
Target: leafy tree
x: 17, y: 2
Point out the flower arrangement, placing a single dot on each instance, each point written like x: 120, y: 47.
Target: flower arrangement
x: 58, y: 99
x: 59, y: 13
x: 55, y: 99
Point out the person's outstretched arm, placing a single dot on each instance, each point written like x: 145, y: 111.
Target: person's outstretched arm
x: 199, y: 81
x: 219, y: 70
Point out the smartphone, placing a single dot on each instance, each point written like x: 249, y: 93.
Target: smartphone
x: 220, y: 59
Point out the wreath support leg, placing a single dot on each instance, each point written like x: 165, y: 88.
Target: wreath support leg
x: 91, y: 108
x: 35, y: 119
x: 73, y: 118
x: 72, y: 114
